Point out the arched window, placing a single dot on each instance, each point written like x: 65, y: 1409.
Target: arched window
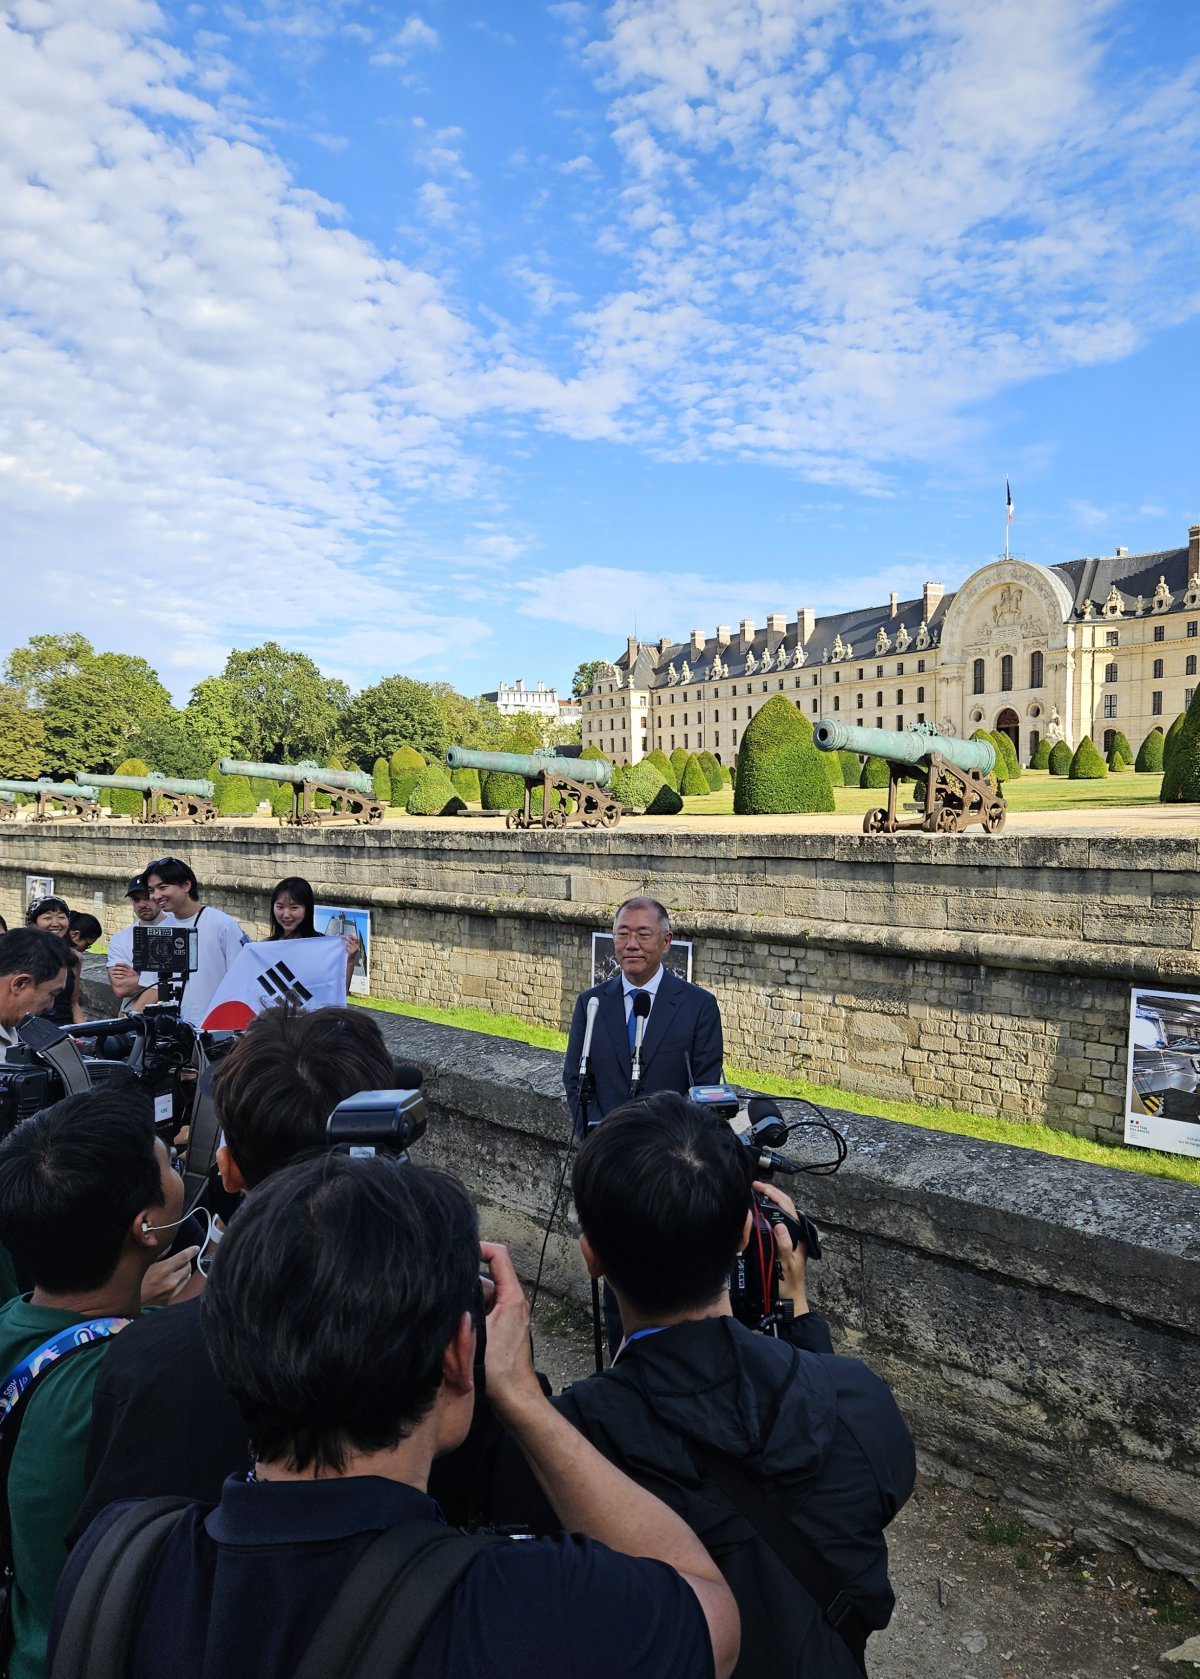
x: 1036, y: 670
x: 977, y: 670
x: 1006, y: 674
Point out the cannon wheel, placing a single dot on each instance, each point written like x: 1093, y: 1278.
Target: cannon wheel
x: 610, y: 816
x: 876, y: 822
x: 515, y: 819
x: 994, y: 817
x: 947, y: 821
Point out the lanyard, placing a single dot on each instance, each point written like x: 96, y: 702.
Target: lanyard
x: 78, y: 1335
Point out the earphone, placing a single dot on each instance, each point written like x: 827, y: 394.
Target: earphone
x: 147, y: 1227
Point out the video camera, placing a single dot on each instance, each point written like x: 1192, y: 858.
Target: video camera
x: 761, y: 1128
x: 381, y: 1121
x: 172, y: 953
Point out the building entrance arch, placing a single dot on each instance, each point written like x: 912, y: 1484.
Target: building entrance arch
x: 1008, y: 723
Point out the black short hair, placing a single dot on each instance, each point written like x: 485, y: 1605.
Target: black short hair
x: 33, y: 951
x: 662, y: 1190
x: 282, y: 1080
x: 331, y: 1303
x: 173, y: 873
x: 81, y: 921
x: 71, y: 1180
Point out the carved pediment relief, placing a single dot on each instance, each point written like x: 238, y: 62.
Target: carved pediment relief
x: 882, y: 641
x: 1163, y: 598
x: 903, y: 639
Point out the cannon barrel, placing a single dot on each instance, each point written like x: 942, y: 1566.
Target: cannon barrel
x: 596, y: 770
x: 354, y: 781
x: 64, y: 789
x: 904, y: 746
x: 155, y: 783
x: 7, y: 798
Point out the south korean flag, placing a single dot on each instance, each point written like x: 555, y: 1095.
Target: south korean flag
x: 303, y: 973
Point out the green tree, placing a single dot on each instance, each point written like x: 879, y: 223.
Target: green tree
x: 235, y: 797
x: 1150, y: 753
x: 22, y: 738
x: 42, y: 660
x: 123, y: 801
x: 290, y: 711
x: 381, y: 780
x: 214, y: 717
x: 585, y: 676
x: 1181, y: 776
x: 93, y: 714
x: 779, y: 769
x: 398, y: 711
x: 406, y: 765
x: 1060, y: 758
x: 474, y: 723
x: 1087, y: 764
x: 171, y: 747
x: 434, y: 794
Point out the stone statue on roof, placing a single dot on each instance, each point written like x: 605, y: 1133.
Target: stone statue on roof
x: 751, y: 662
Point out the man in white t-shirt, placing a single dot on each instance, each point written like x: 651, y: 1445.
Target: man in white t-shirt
x: 127, y: 983
x: 175, y: 889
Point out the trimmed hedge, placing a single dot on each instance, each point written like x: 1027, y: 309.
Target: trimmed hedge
x: 1006, y: 749
x: 1150, y: 753
x: 693, y: 783
x: 1060, y: 758
x: 1171, y: 737
x: 664, y: 766
x: 381, y: 780
x: 851, y: 768
x: 714, y: 773
x: 779, y: 770
x: 1120, y: 743
x: 237, y: 797
x: 281, y: 799
x: 1117, y: 764
x: 641, y: 786
x: 500, y: 791
x: 832, y: 764
x: 999, y: 770
x: 466, y: 784
x: 874, y: 773
x: 434, y: 794
x: 1181, y: 777
x: 1041, y: 755
x: 1087, y: 764
x: 123, y: 801
x: 679, y: 759
x: 406, y: 766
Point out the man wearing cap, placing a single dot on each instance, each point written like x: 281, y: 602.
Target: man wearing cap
x: 134, y: 989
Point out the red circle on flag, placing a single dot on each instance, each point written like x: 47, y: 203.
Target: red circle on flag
x: 229, y: 1017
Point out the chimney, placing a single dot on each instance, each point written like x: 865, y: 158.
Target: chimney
x: 723, y: 634
x: 1193, y: 550
x: 697, y: 643
x: 776, y: 623
x: 932, y: 595
x: 664, y: 643
x: 1121, y: 553
x: 895, y: 600
x: 747, y: 631
x: 631, y: 647
x: 806, y: 620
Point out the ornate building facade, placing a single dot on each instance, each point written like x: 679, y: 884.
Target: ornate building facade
x: 1090, y: 647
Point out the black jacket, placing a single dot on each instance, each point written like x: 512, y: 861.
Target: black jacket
x: 822, y: 1431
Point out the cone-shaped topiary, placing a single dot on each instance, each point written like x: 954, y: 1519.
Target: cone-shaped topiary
x: 1041, y: 755
x: 434, y: 794
x: 678, y: 759
x: 664, y: 766
x: 281, y: 799
x: 1150, y: 754
x: 779, y: 769
x: 693, y: 783
x: 123, y: 801
x: 406, y: 765
x: 1172, y: 736
x: 999, y: 770
x: 832, y: 763
x: 1060, y: 758
x: 1120, y: 743
x: 1181, y: 776
x: 594, y: 753
x: 263, y: 790
x: 641, y: 786
x: 500, y: 791
x: 466, y: 784
x: 851, y: 768
x: 1008, y: 755
x: 1087, y: 764
x: 381, y: 780
x: 237, y: 797
x: 1117, y: 765
x: 874, y: 773
x: 713, y: 772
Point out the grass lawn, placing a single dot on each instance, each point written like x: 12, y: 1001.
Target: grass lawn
x: 1036, y: 790
x: 1042, y: 1138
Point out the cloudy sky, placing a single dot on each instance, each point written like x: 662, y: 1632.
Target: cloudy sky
x: 459, y: 340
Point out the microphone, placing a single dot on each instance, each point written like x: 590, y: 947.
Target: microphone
x: 407, y: 1077
x: 593, y: 1009
x: 641, y: 1011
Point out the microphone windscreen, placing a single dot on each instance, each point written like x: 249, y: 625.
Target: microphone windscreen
x: 407, y: 1077
x: 641, y: 1003
x: 762, y: 1107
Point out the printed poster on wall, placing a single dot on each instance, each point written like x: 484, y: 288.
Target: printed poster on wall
x: 1162, y: 1099
x: 38, y: 886
x: 336, y: 922
x: 604, y: 958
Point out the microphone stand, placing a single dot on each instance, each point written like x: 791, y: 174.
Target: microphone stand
x: 587, y: 1089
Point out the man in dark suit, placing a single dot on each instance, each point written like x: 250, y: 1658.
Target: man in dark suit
x: 681, y: 1041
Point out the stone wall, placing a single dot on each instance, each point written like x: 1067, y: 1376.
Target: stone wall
x: 991, y: 975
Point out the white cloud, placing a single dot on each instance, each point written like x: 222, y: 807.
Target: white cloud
x: 414, y: 35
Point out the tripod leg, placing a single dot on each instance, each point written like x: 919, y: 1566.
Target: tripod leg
x: 597, y: 1325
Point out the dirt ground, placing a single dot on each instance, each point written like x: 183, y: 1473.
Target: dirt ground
x: 979, y: 1594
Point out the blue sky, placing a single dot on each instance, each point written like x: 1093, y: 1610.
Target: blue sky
x: 453, y: 339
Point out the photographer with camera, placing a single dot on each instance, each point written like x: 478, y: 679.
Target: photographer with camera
x: 88, y: 1202
x: 33, y: 970
x: 343, y: 1313
x: 162, y: 1423
x: 174, y: 888
x: 787, y: 1461
x: 132, y: 988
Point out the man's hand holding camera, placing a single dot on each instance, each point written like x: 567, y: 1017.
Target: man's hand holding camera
x: 793, y: 1256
